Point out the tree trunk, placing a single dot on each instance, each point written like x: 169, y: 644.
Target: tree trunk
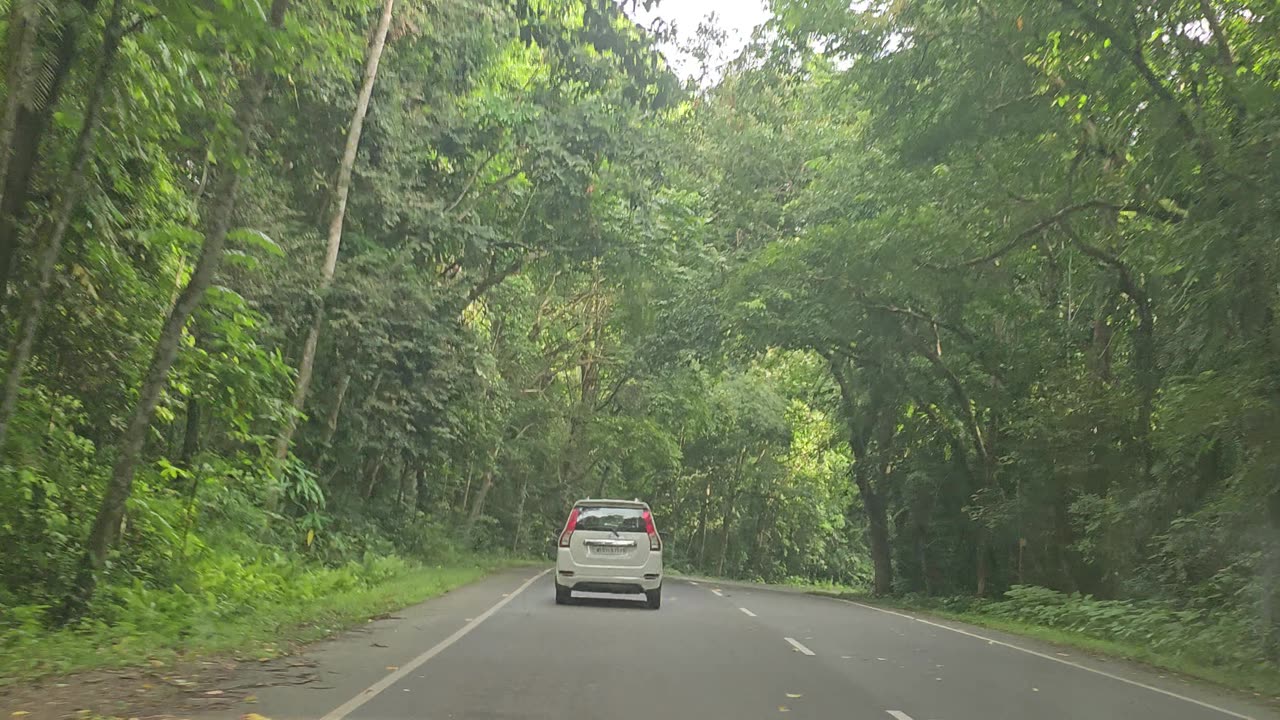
x: 878, y: 533
x: 22, y: 152
x: 372, y: 486
x: 984, y: 568
x: 724, y: 533
x: 756, y: 555
x: 574, y: 466
x: 466, y: 492
x: 106, y: 525
x: 191, y: 433
x: 873, y: 504
x: 477, y: 508
x: 24, y: 27
x: 331, y: 425
x: 29, y: 321
x: 524, y: 495
x: 410, y: 488
x: 702, y: 527
x: 340, y: 191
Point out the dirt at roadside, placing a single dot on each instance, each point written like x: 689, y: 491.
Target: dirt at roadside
x: 160, y: 691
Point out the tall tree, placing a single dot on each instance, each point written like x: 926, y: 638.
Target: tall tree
x: 48, y: 249
x: 341, y: 189
x: 106, y: 525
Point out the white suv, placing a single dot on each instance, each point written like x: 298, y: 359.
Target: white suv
x: 610, y: 546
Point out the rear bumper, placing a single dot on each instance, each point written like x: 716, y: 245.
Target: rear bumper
x: 589, y: 578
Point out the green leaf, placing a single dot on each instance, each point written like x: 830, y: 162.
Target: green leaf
x: 257, y: 239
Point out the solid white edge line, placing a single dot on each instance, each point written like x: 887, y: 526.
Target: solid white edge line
x: 898, y: 715
x: 1059, y: 660
x: 796, y: 644
x: 372, y: 691
x: 747, y: 612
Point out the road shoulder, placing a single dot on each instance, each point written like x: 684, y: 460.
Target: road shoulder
x: 306, y: 682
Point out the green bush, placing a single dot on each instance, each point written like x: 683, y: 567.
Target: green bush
x: 1220, y: 637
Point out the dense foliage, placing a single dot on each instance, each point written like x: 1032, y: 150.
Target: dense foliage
x: 937, y: 297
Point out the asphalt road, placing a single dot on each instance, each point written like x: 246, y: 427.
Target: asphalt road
x: 503, y: 649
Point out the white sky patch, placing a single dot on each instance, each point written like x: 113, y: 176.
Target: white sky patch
x: 736, y: 18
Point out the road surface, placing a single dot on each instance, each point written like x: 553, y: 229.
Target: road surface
x: 502, y: 649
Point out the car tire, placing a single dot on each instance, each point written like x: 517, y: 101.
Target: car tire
x: 563, y: 595
x: 653, y: 598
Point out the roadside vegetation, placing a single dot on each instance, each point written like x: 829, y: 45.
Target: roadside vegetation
x: 1165, y: 635
x: 281, y: 611
x: 930, y: 298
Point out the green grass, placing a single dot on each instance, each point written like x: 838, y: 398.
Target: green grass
x: 1258, y: 681
x: 266, y: 631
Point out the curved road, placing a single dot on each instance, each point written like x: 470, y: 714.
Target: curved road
x: 501, y: 648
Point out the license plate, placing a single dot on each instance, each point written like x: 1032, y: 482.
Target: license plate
x: 609, y: 550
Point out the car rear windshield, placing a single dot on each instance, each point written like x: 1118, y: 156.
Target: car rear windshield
x: 621, y: 519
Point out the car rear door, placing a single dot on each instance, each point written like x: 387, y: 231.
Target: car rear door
x: 610, y: 537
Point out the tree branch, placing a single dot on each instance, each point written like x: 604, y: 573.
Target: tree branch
x: 495, y: 278
x: 1031, y: 231
x: 466, y: 187
x: 1225, y: 56
x: 1133, y: 50
x: 1055, y: 219
x: 930, y: 319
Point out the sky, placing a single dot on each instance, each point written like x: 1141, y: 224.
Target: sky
x: 736, y: 17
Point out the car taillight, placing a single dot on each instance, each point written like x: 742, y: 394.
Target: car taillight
x: 568, y: 528
x: 655, y: 543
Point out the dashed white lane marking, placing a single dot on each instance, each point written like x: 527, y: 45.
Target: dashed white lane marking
x: 718, y: 593
x: 1078, y: 666
x: 899, y: 715
x: 747, y: 612
x: 372, y: 691
x: 798, y: 646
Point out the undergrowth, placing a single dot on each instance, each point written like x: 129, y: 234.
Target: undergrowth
x: 1219, y: 644
x: 158, y: 625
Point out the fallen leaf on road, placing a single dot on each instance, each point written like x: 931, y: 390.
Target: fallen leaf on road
x: 783, y: 708
x: 1035, y: 689
x: 19, y: 713
x: 881, y: 659
x: 214, y: 692
x: 794, y: 695
x: 251, y: 698
x: 393, y: 667
x: 377, y: 644
x: 253, y: 716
